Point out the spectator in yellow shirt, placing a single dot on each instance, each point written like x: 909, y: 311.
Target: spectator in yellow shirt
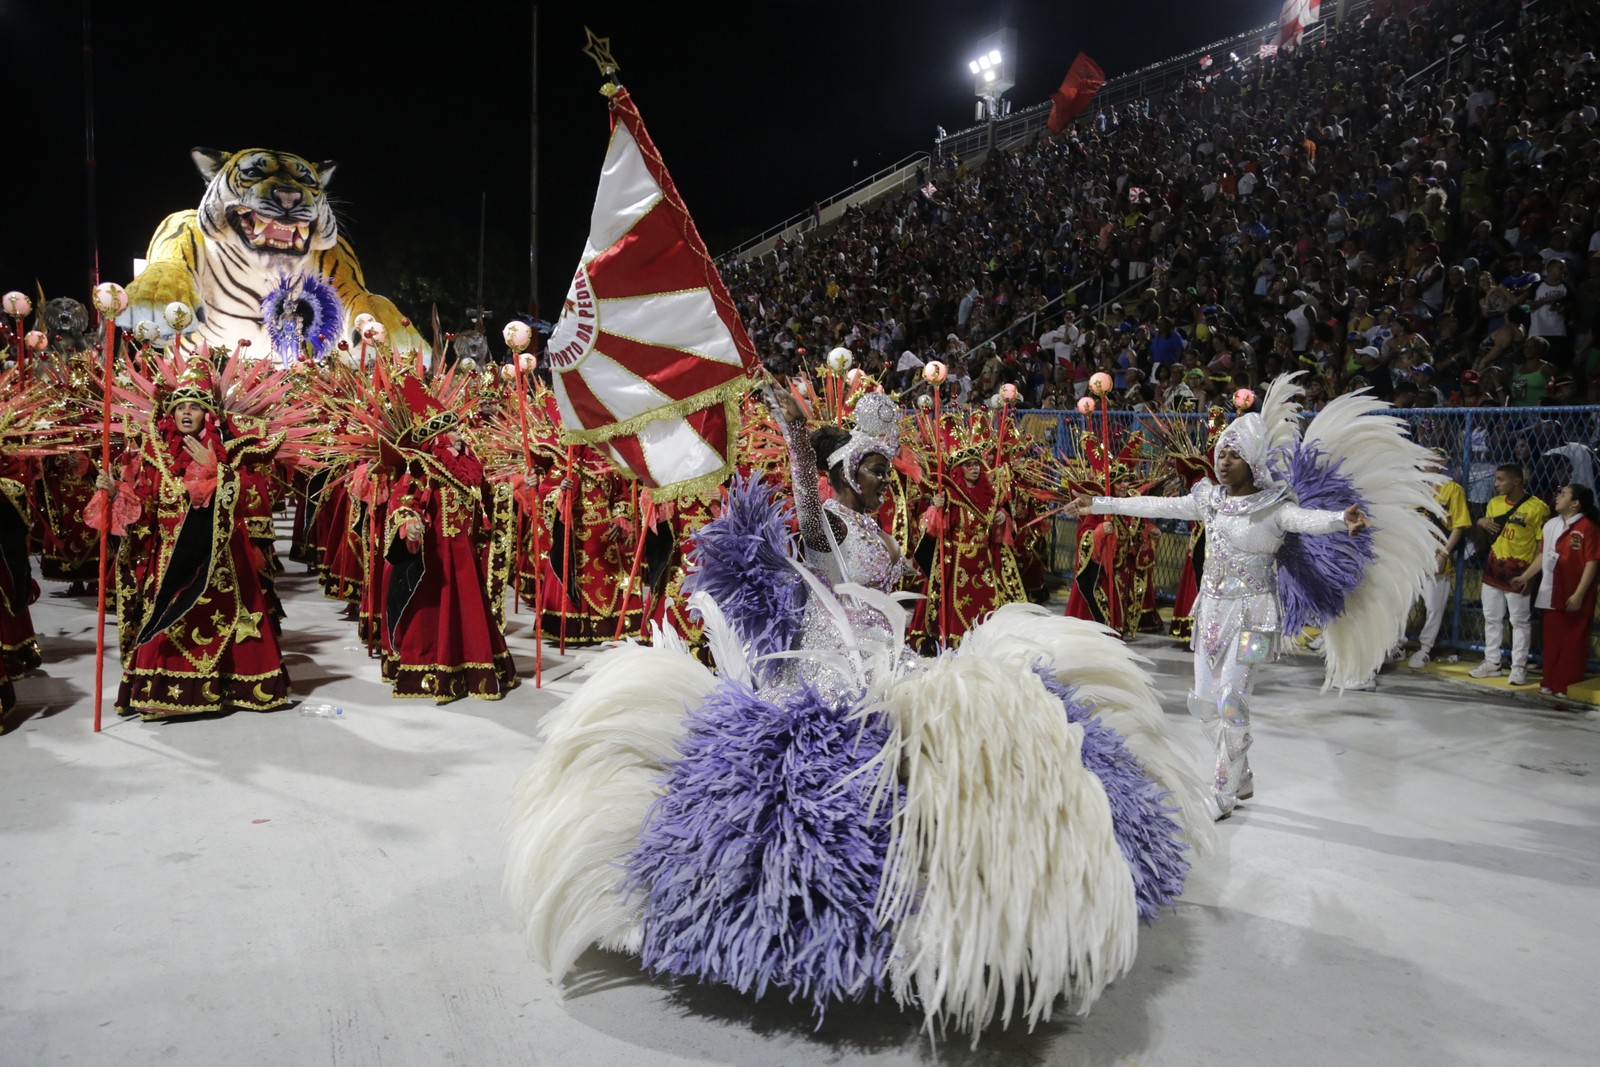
x: 1515, y: 520
x: 1457, y: 521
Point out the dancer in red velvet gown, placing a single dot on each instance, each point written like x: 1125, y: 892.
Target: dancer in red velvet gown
x: 442, y: 637
x: 19, y: 652
x: 195, y: 625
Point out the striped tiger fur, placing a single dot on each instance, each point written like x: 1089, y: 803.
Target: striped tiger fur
x: 263, y: 212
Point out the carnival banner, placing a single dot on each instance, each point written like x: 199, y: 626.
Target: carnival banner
x: 649, y: 356
x: 1084, y: 79
x: 1294, y: 19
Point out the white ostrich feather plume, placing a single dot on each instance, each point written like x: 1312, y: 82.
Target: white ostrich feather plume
x: 1387, y: 468
x: 1004, y: 882
x: 1280, y: 411
x: 578, y: 810
x: 1107, y: 674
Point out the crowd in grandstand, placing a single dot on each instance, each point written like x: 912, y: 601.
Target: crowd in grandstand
x: 1362, y: 208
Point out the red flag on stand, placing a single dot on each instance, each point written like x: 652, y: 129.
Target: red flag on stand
x: 1083, y: 80
x: 649, y: 356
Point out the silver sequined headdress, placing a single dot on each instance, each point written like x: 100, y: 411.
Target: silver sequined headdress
x: 1247, y: 435
x: 877, y: 430
x: 1261, y: 439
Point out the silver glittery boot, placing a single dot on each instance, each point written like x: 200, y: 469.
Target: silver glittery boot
x: 1227, y: 725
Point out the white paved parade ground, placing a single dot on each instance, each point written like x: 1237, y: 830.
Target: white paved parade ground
x: 1416, y: 883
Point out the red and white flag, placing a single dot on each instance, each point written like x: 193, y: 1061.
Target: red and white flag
x: 649, y: 357
x: 1294, y: 18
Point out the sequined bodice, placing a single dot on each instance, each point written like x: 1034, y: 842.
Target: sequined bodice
x: 861, y: 556
x: 1243, y: 533
x: 1241, y: 540
x: 864, y: 557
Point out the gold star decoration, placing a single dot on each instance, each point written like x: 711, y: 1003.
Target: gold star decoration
x: 599, y: 50
x: 248, y: 624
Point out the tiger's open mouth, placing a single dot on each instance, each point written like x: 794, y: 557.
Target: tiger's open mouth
x: 263, y: 232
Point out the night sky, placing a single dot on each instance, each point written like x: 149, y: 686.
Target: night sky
x: 756, y: 115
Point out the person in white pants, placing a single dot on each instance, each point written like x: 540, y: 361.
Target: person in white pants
x: 1497, y: 605
x: 1457, y: 521
x: 1515, y: 520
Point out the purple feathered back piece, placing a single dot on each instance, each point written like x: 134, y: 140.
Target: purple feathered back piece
x: 1317, y: 572
x: 760, y: 865
x: 302, y: 310
x: 1143, y: 816
x: 741, y: 559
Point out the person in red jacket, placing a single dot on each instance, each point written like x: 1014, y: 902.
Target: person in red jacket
x: 1569, y: 558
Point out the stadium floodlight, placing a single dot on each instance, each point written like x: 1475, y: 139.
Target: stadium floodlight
x: 992, y: 71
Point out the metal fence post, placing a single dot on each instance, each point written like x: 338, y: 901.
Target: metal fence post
x: 1464, y: 465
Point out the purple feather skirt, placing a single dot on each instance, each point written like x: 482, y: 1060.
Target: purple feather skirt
x: 760, y: 866
x: 742, y: 561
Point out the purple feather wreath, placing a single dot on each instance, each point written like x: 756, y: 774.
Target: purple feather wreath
x: 1143, y: 816
x: 302, y: 310
x: 760, y: 866
x: 741, y: 559
x: 1317, y: 572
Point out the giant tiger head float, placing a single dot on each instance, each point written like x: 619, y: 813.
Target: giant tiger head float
x: 266, y: 202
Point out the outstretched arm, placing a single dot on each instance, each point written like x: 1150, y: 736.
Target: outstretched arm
x: 802, y: 468
x: 1295, y: 519
x: 1184, y: 507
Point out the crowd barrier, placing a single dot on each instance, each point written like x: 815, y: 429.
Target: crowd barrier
x: 1554, y: 445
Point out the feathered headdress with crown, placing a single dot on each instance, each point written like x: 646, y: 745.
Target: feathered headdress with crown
x: 969, y: 438
x: 253, y: 400
x: 390, y: 418
x: 497, y: 433
x: 429, y: 418
x: 37, y: 418
x: 877, y: 429
x: 196, y: 384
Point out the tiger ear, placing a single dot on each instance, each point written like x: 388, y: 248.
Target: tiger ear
x: 325, y: 171
x: 209, y: 160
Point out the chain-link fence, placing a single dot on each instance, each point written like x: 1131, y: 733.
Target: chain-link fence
x: 1554, y: 446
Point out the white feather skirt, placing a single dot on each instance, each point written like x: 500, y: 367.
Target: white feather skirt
x: 578, y: 809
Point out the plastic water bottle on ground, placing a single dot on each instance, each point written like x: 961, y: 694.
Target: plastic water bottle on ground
x: 326, y: 711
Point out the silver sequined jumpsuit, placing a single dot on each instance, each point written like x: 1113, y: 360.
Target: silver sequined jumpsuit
x: 1236, y: 618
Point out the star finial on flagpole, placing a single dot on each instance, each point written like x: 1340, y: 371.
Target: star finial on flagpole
x: 599, y: 50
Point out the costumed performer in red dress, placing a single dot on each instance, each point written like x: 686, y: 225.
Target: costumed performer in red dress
x: 19, y: 652
x: 194, y: 623
x: 1114, y: 566
x: 442, y: 638
x: 969, y: 552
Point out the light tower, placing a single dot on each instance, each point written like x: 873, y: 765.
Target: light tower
x: 993, y: 72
